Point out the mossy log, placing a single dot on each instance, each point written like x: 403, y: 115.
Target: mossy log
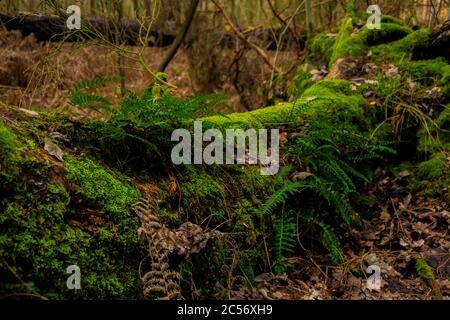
x: 324, y: 97
x: 53, y: 28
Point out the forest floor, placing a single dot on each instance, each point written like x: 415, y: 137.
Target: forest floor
x: 404, y: 231
x: 400, y: 224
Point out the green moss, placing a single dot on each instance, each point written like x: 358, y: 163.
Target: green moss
x: 100, y: 186
x: 171, y: 219
x: 46, y: 228
x: 8, y: 152
x: 432, y: 177
x: 332, y: 97
x: 321, y: 47
x: 434, y: 168
x: 428, y: 71
x: 390, y: 19
x: 389, y: 32
x: 7, y: 142
x: 352, y: 45
x: 203, y: 193
x: 424, y: 271
x: 346, y: 44
x: 404, y: 48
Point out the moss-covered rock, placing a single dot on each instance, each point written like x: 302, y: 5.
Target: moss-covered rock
x: 432, y: 177
x: 351, y: 44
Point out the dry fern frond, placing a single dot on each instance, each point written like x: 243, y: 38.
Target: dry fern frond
x: 160, y: 282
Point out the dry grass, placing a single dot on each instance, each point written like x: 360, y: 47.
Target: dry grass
x: 38, y: 76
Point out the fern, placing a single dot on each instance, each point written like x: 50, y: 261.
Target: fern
x: 331, y: 243
x: 81, y: 94
x: 94, y: 83
x: 335, y: 170
x: 155, y: 112
x: 283, y: 173
x: 285, y: 240
x: 335, y: 199
x: 281, y: 195
x: 88, y: 100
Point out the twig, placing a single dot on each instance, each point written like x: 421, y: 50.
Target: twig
x: 33, y: 293
x: 241, y: 36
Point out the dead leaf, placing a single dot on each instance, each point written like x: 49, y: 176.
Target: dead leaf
x: 264, y: 294
x: 404, y: 173
x: 392, y: 71
x: 53, y: 149
x: 29, y: 112
x: 297, y: 176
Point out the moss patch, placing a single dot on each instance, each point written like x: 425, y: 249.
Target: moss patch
x: 204, y: 195
x: 434, y: 168
x: 326, y: 96
x: 48, y: 226
x: 100, y: 186
x: 8, y: 151
x: 424, y: 271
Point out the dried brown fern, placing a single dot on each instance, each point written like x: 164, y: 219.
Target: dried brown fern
x: 160, y: 282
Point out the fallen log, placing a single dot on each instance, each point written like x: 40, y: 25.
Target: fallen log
x: 52, y: 28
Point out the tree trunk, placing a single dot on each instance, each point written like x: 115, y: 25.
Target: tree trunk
x: 180, y: 37
x: 308, y: 10
x: 148, y: 7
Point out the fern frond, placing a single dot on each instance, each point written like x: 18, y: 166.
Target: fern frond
x: 285, y: 239
x: 334, y: 199
x: 283, y: 173
x: 92, y: 101
x: 331, y: 243
x: 351, y: 170
x: 281, y: 195
x: 94, y: 83
x: 333, y: 169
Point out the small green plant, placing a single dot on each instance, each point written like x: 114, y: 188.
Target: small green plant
x: 328, y: 164
x: 285, y: 240
x: 424, y: 271
x: 157, y: 107
x: 82, y: 94
x: 331, y: 243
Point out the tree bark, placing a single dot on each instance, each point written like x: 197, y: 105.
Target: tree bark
x: 180, y: 37
x: 309, y: 17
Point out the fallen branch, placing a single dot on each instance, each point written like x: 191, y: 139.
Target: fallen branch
x: 33, y: 293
